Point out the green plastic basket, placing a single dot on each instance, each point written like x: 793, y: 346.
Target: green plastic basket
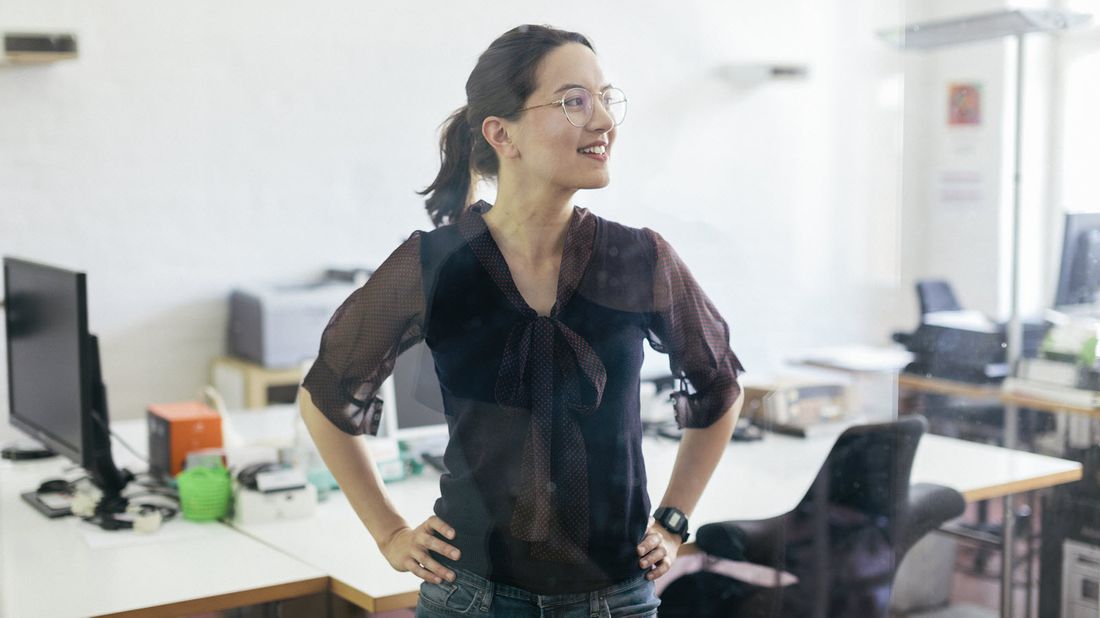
x: 204, y: 493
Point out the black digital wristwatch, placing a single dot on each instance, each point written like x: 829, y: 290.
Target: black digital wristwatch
x: 673, y: 520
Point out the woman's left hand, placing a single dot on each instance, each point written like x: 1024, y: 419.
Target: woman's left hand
x: 658, y: 550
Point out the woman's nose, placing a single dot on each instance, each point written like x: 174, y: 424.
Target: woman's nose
x: 601, y: 118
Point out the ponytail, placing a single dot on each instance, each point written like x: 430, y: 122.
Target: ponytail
x: 450, y: 191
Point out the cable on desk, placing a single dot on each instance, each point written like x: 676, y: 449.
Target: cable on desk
x: 114, y: 435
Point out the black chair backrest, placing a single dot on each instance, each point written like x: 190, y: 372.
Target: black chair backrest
x: 845, y: 538
x: 936, y: 295
x: 868, y: 468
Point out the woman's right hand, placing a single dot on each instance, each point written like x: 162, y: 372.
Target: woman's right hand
x: 407, y: 550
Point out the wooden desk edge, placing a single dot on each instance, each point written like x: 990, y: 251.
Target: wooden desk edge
x: 1016, y: 487
x: 948, y: 387
x: 944, y: 386
x: 387, y: 603
x: 267, y: 594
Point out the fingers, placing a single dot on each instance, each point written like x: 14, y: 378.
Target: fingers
x: 426, y: 567
x: 436, y: 572
x: 416, y: 569
x: 649, y: 543
x: 435, y: 523
x: 654, y: 556
x: 430, y: 541
x: 662, y: 567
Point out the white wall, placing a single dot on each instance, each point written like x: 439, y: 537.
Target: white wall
x: 1075, y: 135
x: 196, y: 145
x: 969, y: 241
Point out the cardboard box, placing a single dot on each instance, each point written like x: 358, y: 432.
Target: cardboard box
x: 176, y: 429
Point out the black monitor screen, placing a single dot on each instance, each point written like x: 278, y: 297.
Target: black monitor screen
x: 46, y: 324
x: 417, y: 397
x: 1079, y: 274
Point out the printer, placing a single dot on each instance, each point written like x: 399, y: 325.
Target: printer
x: 280, y: 326
x: 965, y: 345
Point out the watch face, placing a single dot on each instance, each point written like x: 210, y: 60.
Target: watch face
x: 674, y: 520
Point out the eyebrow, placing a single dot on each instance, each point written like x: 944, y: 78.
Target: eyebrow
x: 568, y: 86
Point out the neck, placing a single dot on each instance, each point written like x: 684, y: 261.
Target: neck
x: 530, y: 223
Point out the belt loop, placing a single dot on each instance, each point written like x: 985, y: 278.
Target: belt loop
x: 594, y: 604
x: 487, y: 596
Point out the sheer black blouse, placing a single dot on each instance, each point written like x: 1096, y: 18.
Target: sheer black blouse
x: 546, y: 484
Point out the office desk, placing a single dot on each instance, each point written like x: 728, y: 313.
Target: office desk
x: 48, y: 569
x: 943, y: 386
x: 753, y: 480
x: 227, y: 567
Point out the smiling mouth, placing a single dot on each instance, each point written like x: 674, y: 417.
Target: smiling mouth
x: 593, y: 150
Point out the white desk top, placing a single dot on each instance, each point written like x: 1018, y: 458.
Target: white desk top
x: 47, y: 567
x: 753, y: 480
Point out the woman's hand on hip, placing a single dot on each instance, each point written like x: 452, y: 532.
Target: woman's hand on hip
x: 407, y: 550
x: 658, y: 550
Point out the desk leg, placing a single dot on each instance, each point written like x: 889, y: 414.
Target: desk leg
x: 1030, y: 554
x: 1008, y: 519
x: 1008, y: 531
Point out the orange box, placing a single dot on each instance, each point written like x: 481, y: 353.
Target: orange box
x: 176, y: 429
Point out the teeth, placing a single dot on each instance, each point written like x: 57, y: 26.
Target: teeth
x: 594, y: 150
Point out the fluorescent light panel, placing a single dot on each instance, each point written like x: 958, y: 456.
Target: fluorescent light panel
x: 981, y: 27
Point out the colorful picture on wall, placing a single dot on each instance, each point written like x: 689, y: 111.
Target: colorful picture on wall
x: 964, y: 104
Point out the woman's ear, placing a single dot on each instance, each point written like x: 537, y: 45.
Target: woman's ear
x: 496, y: 132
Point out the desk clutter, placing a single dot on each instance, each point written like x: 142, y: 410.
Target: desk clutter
x: 1066, y: 367
x: 799, y: 407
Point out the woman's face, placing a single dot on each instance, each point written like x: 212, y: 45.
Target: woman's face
x: 549, y: 145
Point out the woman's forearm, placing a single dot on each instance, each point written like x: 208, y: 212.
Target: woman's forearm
x: 350, y: 463
x: 697, y: 457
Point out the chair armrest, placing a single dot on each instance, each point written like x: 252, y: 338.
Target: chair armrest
x: 760, y: 541
x: 930, y: 506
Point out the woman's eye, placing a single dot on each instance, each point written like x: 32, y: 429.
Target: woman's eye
x: 575, y: 101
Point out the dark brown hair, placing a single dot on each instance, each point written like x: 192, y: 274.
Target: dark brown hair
x: 498, y: 86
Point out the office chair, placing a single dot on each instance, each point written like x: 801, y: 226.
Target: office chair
x: 936, y: 295
x: 843, y: 541
x: 933, y: 295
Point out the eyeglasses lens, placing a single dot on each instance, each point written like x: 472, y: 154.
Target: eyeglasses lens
x: 578, y: 105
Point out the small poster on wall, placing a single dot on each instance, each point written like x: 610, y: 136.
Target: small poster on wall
x: 964, y: 104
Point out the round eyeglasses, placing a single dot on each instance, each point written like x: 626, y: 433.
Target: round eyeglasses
x: 577, y: 105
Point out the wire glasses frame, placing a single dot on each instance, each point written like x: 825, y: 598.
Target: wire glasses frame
x: 578, y: 107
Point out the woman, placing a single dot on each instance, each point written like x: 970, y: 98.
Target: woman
x: 535, y: 311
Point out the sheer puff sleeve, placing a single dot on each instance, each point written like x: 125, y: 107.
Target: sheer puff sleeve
x: 686, y: 325
x: 363, y: 338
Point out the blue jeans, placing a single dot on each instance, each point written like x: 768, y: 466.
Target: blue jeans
x: 472, y: 595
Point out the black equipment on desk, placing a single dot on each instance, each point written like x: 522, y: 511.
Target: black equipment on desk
x: 966, y: 355
x: 1079, y: 272
x: 1069, y: 556
x: 434, y: 460
x: 743, y: 431
x: 948, y: 344
x: 55, y: 384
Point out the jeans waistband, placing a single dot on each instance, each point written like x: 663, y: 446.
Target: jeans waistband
x: 491, y: 588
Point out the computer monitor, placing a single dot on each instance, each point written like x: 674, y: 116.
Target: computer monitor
x: 55, y: 386
x: 417, y: 402
x: 1079, y: 274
